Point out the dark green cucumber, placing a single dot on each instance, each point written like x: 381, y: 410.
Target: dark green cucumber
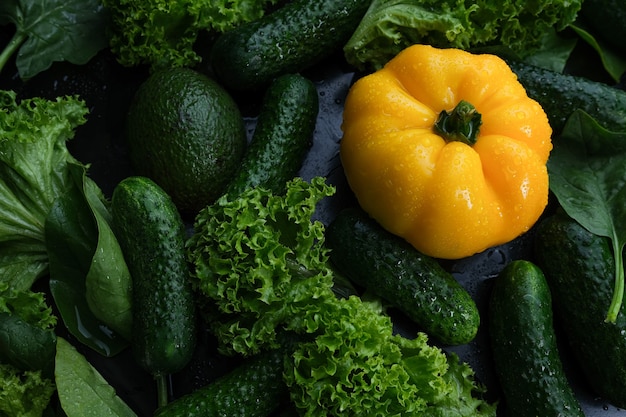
x: 606, y: 18
x: 152, y: 236
x: 289, y: 40
x: 580, y: 271
x: 412, y: 282
x: 253, y: 389
x: 524, y: 345
x: 561, y: 94
x: 282, y: 136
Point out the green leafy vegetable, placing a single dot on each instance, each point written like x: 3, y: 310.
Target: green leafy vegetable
x: 262, y: 268
x: 83, y: 392
x: 37, y: 174
x: 33, y: 174
x: 587, y: 175
x: 24, y: 394
x: 163, y: 32
x: 27, y: 339
x: 358, y: 367
x: 392, y: 25
x: 261, y: 257
x: 52, y: 30
x: 78, y: 260
x: 614, y: 63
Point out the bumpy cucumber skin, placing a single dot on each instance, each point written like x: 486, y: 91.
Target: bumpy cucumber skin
x: 254, y: 389
x: 289, y: 40
x: 524, y: 345
x: 152, y: 236
x: 579, y: 268
x: 561, y: 94
x: 282, y: 137
x: 414, y: 283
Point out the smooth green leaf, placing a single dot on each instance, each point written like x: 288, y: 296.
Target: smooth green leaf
x: 72, y: 238
x: 83, y: 392
x: 587, y: 176
x: 614, y: 63
x: 53, y: 30
x: 108, y: 283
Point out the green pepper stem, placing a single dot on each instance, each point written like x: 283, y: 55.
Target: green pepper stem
x: 461, y: 124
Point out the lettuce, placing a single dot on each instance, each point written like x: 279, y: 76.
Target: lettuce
x: 163, y: 32
x: 261, y: 271
x: 33, y: 173
x: 392, y: 25
x: 260, y: 256
x: 25, y: 394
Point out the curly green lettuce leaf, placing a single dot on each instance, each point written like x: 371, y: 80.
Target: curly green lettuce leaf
x: 52, y: 30
x: 163, y: 32
x: 25, y: 394
x: 389, y: 26
x: 357, y: 366
x: 260, y: 260
x: 33, y: 173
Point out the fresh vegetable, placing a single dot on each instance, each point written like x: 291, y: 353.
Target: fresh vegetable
x: 24, y: 393
x: 390, y: 26
x: 524, y: 345
x: 561, y: 94
x: 152, y: 236
x: 186, y: 133
x: 254, y: 389
x: 261, y: 267
x: 579, y: 268
x: 588, y: 179
x: 81, y: 388
x: 391, y: 268
x: 445, y: 149
x: 27, y: 338
x: 292, y: 38
x: 358, y: 367
x: 282, y: 136
x: 259, y: 255
x: 33, y: 174
x: 89, y: 279
x: 164, y: 32
x: 606, y: 18
x: 54, y: 30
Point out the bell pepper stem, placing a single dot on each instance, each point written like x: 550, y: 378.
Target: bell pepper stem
x: 462, y: 124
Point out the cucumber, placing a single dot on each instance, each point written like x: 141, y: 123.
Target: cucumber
x: 288, y: 40
x: 414, y: 283
x: 606, y: 18
x: 579, y: 268
x: 282, y: 136
x: 524, y: 345
x: 560, y: 94
x: 254, y: 389
x: 152, y: 236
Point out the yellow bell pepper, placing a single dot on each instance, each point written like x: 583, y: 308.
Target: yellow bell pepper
x: 445, y: 149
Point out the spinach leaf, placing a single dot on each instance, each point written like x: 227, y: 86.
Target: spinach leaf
x: 53, y: 30
x: 72, y: 240
x: 613, y: 62
x: 83, y: 392
x: 587, y: 176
